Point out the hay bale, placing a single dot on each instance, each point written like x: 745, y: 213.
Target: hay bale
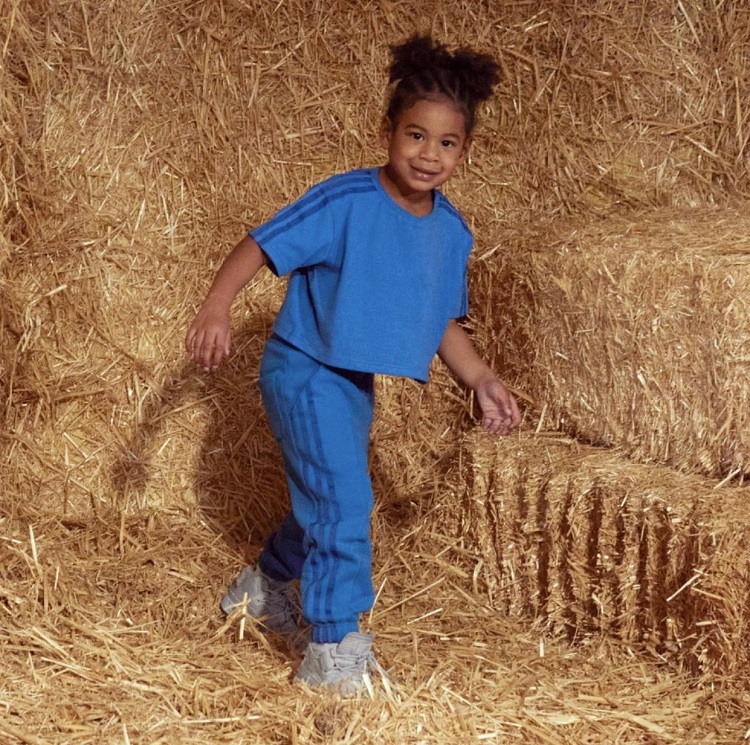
x: 592, y: 544
x: 633, y: 332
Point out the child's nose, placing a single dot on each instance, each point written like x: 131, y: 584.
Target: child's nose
x: 430, y: 150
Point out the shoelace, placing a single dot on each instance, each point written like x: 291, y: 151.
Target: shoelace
x: 279, y: 602
x: 353, y: 661
x: 366, y: 664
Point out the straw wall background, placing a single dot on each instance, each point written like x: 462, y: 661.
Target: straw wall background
x: 137, y: 142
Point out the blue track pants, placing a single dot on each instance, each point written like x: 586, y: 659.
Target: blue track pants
x: 321, y: 417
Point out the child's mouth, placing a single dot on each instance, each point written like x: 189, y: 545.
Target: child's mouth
x: 423, y: 175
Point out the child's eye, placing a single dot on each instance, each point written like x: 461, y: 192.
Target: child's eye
x: 448, y: 143
x: 416, y: 135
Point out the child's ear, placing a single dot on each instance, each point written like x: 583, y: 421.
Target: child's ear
x: 385, y: 132
x: 465, y: 151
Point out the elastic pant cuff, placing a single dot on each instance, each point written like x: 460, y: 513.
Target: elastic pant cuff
x: 327, y: 633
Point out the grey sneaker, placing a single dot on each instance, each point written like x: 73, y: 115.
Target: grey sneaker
x: 345, y: 666
x: 268, y: 600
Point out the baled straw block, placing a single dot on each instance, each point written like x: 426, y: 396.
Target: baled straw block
x: 591, y: 543
x: 634, y: 332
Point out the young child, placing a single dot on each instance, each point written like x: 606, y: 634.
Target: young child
x: 377, y: 262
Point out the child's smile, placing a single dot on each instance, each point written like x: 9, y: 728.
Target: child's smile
x: 424, y: 147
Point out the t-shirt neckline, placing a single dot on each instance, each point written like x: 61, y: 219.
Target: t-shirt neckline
x: 436, y: 196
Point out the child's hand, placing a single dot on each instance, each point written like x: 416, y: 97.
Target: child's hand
x: 209, y: 338
x: 500, y: 414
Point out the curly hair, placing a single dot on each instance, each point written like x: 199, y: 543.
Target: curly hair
x: 425, y: 69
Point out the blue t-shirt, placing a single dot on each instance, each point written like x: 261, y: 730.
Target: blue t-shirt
x: 372, y: 286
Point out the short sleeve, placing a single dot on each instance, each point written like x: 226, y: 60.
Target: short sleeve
x: 462, y: 308
x: 300, y: 235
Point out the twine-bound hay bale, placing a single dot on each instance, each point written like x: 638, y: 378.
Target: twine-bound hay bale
x: 592, y: 543
x: 633, y: 332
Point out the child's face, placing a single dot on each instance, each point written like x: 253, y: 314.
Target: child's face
x: 424, y: 147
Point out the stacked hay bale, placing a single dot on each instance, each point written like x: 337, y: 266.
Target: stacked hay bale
x: 633, y: 332
x: 592, y: 543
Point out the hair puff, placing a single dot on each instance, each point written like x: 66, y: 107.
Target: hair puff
x: 422, y: 68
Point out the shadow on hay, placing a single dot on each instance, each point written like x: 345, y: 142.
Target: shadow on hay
x: 235, y: 476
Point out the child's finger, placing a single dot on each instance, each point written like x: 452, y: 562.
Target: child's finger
x: 196, y: 347
x: 515, y: 412
x: 211, y: 355
x: 501, y: 422
x: 202, y: 350
x: 219, y: 352
x: 216, y: 347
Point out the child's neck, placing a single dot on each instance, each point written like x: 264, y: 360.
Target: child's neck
x: 418, y: 203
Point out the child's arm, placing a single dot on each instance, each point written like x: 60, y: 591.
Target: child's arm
x: 209, y: 338
x: 500, y: 413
